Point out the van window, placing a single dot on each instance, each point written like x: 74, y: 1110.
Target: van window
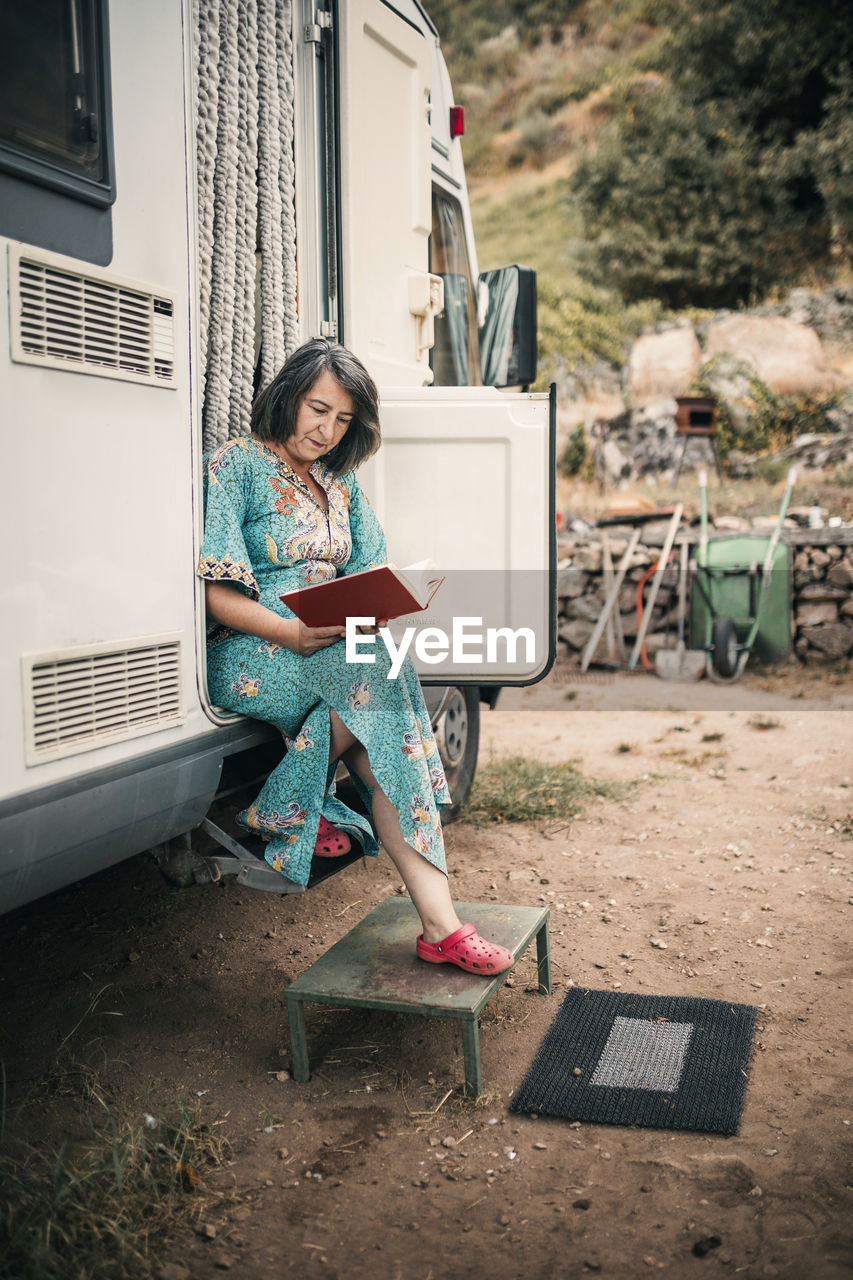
x: 455, y: 358
x: 54, y: 112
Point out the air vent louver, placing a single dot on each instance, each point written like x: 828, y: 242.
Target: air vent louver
x: 84, y: 699
x: 62, y: 319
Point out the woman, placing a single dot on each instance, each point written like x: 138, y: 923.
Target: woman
x: 284, y: 509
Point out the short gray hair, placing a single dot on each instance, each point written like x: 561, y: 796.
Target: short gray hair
x: 275, y: 409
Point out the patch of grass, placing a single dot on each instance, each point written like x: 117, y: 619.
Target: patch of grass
x: 625, y: 747
x: 99, y: 1209
x: 843, y: 826
x: 515, y: 789
x: 763, y: 723
x: 712, y: 737
x: 693, y: 760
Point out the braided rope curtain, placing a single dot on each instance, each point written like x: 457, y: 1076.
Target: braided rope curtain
x: 244, y: 141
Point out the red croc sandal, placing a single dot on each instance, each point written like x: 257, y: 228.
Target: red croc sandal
x: 331, y: 842
x: 466, y: 948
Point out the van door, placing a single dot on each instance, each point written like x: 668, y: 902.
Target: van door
x: 465, y: 478
x: 465, y: 474
x: 385, y: 70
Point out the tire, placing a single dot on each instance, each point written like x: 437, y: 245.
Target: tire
x: 724, y: 654
x: 457, y: 732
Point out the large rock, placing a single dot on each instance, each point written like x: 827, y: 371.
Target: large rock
x: 616, y: 464
x: 663, y: 364
x: 787, y: 356
x: 841, y: 574
x: 835, y: 639
x: 812, y: 612
x: 571, y: 582
x: 577, y: 632
x: 822, y: 591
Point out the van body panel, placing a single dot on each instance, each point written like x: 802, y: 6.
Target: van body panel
x: 101, y: 478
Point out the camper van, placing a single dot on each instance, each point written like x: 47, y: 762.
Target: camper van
x: 189, y: 189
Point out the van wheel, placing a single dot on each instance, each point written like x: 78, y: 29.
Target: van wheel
x: 457, y: 732
x: 725, y: 650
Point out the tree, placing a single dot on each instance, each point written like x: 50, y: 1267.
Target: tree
x: 732, y: 167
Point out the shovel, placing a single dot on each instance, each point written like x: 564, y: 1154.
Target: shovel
x: 681, y: 663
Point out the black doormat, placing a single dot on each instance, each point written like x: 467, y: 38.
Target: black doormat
x: 666, y: 1062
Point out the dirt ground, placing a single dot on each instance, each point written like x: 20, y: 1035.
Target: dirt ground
x: 734, y: 850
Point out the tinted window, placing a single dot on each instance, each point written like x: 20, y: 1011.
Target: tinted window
x: 455, y: 357
x: 53, y: 94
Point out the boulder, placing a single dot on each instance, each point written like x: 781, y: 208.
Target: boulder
x: 834, y: 639
x: 577, y: 632
x: 663, y: 364
x: 616, y: 463
x: 588, y: 607
x: 813, y: 612
x: 570, y: 582
x: 589, y: 558
x: 787, y: 356
x: 822, y: 591
x: 841, y: 574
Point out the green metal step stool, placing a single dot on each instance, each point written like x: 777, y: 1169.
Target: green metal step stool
x: 374, y: 966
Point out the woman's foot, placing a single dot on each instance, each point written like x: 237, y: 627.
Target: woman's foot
x: 468, y: 950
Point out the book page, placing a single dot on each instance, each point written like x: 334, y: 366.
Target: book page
x: 421, y: 578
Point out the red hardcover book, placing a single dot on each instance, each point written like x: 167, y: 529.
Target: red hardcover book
x: 380, y: 593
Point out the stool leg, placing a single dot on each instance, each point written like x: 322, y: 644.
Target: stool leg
x: 543, y: 959
x: 298, y: 1044
x: 473, y: 1065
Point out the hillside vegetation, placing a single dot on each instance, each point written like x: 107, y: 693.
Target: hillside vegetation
x: 653, y: 156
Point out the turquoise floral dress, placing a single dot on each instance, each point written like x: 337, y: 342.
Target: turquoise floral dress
x: 266, y: 532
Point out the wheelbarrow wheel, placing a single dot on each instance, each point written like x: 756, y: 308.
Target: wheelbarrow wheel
x: 724, y: 654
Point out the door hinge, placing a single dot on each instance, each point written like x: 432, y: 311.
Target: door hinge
x: 313, y: 31
x: 328, y: 329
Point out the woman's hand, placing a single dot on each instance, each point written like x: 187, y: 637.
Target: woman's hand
x: 227, y: 604
x: 307, y: 640
x: 374, y: 630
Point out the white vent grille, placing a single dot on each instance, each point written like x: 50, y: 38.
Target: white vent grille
x: 83, y: 698
x: 65, y: 320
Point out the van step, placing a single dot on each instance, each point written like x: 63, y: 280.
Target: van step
x: 245, y: 859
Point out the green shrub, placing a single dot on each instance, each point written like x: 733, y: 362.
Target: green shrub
x: 765, y: 420
x: 771, y: 469
x: 576, y: 453
x: 733, y: 172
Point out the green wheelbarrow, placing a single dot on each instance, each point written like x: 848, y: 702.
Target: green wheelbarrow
x: 740, y: 601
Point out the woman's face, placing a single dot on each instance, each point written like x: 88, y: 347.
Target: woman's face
x: 322, y: 418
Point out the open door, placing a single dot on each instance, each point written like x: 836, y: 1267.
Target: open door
x: 388, y: 295
x: 465, y: 478
x: 465, y: 474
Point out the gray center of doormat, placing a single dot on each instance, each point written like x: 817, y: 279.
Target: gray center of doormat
x: 666, y: 1062
x: 643, y: 1055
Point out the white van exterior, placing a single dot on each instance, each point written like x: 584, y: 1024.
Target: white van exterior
x: 109, y: 743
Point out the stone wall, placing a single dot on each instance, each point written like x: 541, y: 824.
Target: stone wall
x: 822, y: 590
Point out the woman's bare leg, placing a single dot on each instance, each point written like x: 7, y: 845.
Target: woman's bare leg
x: 427, y: 885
